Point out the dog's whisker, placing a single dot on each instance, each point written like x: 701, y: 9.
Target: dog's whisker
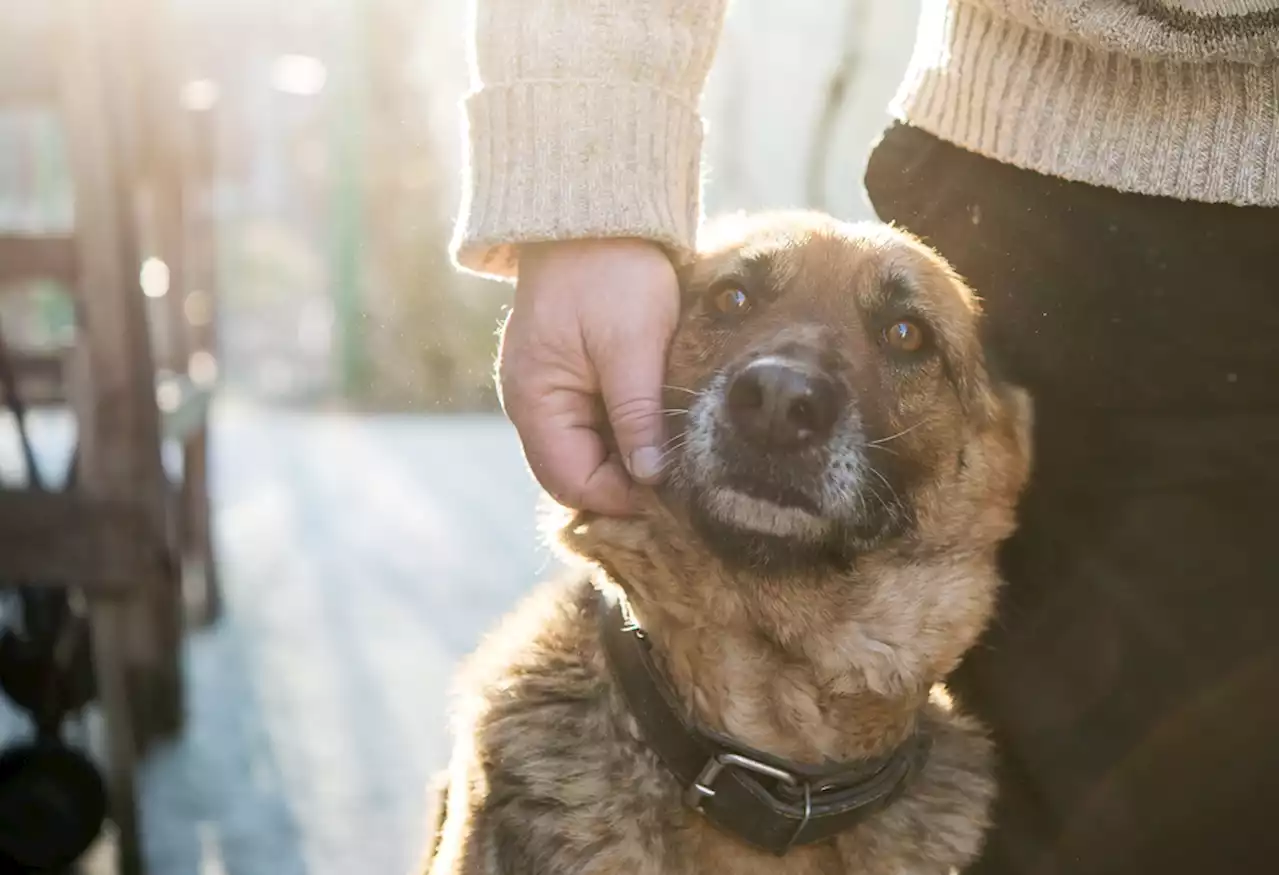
x: 680, y: 389
x: 906, y: 430
x: 883, y: 480
x: 897, y: 501
x: 675, y: 411
x: 670, y: 452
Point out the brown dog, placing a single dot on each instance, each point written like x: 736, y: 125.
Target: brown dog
x: 746, y: 681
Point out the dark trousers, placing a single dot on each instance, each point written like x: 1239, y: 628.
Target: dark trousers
x: 1128, y: 676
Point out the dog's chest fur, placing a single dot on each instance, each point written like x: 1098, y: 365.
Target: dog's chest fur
x: 556, y: 780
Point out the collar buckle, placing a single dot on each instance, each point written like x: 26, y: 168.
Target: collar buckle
x: 703, y: 786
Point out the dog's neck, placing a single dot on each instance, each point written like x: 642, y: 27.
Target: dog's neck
x: 742, y: 681
x: 829, y: 668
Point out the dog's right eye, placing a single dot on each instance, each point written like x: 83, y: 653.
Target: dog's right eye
x: 730, y: 300
x: 906, y: 335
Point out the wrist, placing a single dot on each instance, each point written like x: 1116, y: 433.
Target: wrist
x: 539, y: 249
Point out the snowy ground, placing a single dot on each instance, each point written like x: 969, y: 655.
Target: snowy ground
x: 361, y: 558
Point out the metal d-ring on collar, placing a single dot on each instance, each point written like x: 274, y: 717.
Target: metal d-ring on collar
x: 728, y: 782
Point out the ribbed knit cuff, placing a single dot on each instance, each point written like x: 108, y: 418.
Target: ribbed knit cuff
x: 575, y: 160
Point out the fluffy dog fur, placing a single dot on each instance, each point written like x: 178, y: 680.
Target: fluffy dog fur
x: 806, y: 602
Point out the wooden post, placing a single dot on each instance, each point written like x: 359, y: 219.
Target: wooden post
x: 113, y: 378
x: 109, y: 620
x: 201, y: 266
x: 157, y: 168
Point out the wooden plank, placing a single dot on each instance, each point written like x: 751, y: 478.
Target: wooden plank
x: 41, y: 375
x: 68, y: 539
x: 183, y: 403
x: 32, y: 256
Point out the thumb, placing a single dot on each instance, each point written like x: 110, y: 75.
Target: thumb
x: 631, y: 384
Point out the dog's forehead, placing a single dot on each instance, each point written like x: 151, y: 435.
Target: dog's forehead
x: 875, y: 264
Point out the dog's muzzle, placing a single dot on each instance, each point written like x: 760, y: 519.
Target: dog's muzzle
x: 772, y: 440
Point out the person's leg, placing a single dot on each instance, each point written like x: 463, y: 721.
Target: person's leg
x: 1129, y: 673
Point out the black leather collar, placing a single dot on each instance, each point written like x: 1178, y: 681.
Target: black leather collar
x: 766, y: 801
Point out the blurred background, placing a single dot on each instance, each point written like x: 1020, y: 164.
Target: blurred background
x: 369, y: 512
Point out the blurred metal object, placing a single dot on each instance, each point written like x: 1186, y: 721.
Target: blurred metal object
x: 52, y: 798
x: 53, y: 804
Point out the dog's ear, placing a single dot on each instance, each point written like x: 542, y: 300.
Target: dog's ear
x: 1010, y: 429
x: 1021, y: 416
x: 723, y: 231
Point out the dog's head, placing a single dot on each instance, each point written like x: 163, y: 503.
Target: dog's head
x: 832, y: 391
x: 830, y: 405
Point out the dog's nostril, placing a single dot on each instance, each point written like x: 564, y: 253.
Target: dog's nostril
x: 803, y: 413
x: 775, y: 404
x: 746, y: 393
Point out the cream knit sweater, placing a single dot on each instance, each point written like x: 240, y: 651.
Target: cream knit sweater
x: 584, y: 119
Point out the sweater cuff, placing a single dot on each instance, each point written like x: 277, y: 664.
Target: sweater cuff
x: 575, y: 160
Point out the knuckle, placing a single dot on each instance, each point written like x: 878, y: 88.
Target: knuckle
x: 633, y: 413
x: 563, y: 492
x: 575, y: 498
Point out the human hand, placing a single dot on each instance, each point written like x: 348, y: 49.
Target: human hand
x: 584, y: 353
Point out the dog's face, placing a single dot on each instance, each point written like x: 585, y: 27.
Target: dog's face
x: 826, y: 382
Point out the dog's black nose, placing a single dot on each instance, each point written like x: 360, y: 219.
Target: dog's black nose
x: 778, y: 405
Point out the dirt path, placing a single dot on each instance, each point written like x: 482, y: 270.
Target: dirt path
x: 362, y: 557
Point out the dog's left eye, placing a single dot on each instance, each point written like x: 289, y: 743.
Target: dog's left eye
x: 730, y: 300
x: 906, y: 335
